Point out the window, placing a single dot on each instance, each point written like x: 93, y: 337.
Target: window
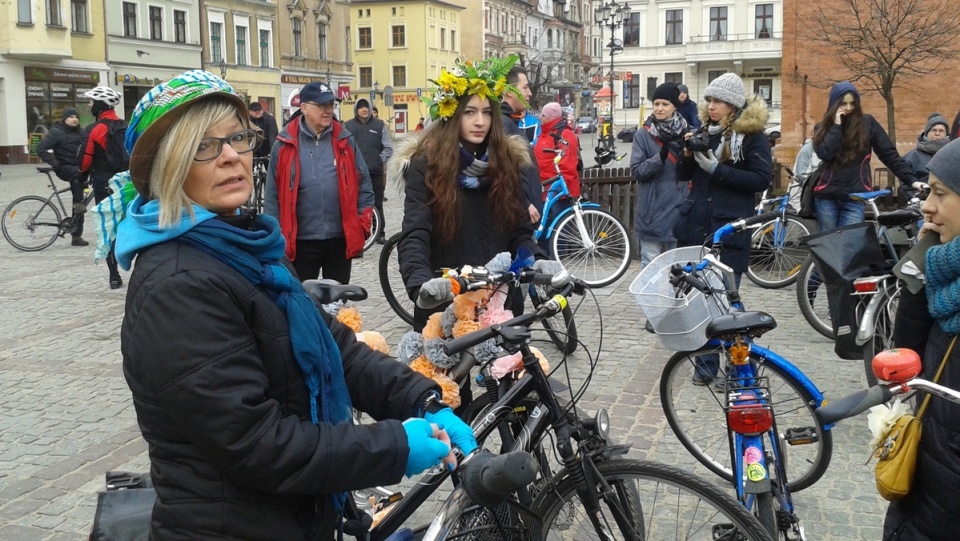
x: 78, y: 16
x: 453, y: 40
x: 129, y: 19
x: 322, y: 41
x: 400, y: 76
x: 674, y: 77
x: 718, y: 24
x: 297, y: 37
x: 242, y: 53
x: 674, y: 26
x: 631, y: 92
x: 53, y: 13
x: 366, y: 77
x: 399, y: 35
x: 764, y: 24
x: 366, y: 38
x: 216, y: 51
x: 764, y: 89
x: 265, y: 60
x: 713, y: 74
x: 549, y: 38
x: 24, y: 12
x: 179, y: 26
x: 631, y: 30
x: 443, y: 39
x: 156, y: 23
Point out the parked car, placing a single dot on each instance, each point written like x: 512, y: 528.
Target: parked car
x: 586, y: 124
x: 626, y: 134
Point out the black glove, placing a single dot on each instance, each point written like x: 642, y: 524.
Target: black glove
x: 664, y: 152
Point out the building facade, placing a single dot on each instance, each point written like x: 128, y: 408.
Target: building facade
x: 397, y: 45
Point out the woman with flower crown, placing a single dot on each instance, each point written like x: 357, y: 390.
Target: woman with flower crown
x: 464, y: 201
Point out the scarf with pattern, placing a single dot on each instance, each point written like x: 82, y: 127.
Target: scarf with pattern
x: 943, y: 285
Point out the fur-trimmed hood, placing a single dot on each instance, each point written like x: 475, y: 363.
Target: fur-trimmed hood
x: 406, y: 148
x: 752, y: 119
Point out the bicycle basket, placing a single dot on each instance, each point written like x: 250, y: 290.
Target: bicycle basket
x: 509, y: 521
x: 680, y: 322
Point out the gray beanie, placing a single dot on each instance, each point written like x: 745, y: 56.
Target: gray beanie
x: 945, y: 164
x: 726, y: 88
x: 933, y: 120
x: 683, y: 89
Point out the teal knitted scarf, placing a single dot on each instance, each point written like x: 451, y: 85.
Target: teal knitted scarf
x: 943, y: 285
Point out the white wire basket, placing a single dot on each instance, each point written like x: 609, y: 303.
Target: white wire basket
x: 680, y: 321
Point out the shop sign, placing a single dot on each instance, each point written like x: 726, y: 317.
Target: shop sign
x: 36, y: 92
x: 133, y: 80
x: 405, y: 97
x: 61, y: 92
x: 61, y: 75
x: 300, y: 79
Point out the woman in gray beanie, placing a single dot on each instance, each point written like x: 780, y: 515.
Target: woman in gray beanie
x: 933, y: 138
x: 845, y: 139
x: 928, y: 322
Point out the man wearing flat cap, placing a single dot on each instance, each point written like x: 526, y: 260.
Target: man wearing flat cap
x: 319, y: 188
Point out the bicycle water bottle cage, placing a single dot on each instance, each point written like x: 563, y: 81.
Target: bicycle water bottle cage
x: 899, y: 218
x: 729, y: 326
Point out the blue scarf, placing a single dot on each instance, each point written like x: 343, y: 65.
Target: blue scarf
x: 257, y: 256
x: 943, y: 285
x: 472, y: 169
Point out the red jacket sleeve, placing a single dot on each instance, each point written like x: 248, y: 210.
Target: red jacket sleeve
x: 97, y: 136
x: 568, y: 164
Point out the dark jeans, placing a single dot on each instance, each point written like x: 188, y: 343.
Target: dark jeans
x: 101, y: 190
x: 379, y: 186
x: 327, y: 254
x: 834, y: 213
x: 76, y: 193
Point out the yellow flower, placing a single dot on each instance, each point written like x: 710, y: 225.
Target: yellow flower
x: 479, y: 87
x: 447, y: 107
x: 500, y: 86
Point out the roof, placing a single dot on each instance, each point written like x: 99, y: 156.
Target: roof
x: 604, y: 92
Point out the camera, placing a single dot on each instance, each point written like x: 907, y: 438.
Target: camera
x: 700, y: 142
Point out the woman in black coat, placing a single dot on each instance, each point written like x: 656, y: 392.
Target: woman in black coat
x: 729, y: 172
x: 243, y: 388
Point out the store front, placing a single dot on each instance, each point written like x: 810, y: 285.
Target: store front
x: 290, y: 86
x: 49, y: 91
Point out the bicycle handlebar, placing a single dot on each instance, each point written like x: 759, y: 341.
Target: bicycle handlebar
x: 488, y: 479
x: 854, y: 404
x: 739, y: 225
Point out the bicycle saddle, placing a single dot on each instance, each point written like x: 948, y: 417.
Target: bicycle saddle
x: 327, y: 291
x: 550, y: 180
x: 899, y: 217
x: 45, y: 169
x: 863, y: 196
x: 728, y: 326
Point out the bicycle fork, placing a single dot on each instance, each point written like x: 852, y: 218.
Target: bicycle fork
x: 588, y: 243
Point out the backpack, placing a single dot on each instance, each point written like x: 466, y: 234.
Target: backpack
x: 117, y: 157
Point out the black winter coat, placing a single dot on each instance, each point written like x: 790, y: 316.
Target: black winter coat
x: 839, y: 180
x: 222, y: 404
x: 532, y: 189
x: 932, y: 509
x: 730, y: 192
x: 61, y: 150
x: 268, y: 125
x: 476, y: 242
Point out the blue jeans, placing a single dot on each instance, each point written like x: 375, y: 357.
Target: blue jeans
x: 650, y: 249
x: 834, y: 213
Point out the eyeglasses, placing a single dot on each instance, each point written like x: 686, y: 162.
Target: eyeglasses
x: 211, y: 147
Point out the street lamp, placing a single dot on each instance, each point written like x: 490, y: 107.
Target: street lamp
x: 223, y: 68
x: 612, y: 15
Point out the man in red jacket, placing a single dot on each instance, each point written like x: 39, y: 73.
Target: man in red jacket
x: 319, y: 189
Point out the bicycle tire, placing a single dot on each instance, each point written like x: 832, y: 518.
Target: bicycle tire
x: 561, y: 328
x: 776, y: 253
x: 376, y: 229
x: 611, y: 244
x: 658, y: 486
x: 817, y: 316
x: 391, y: 282
x: 765, y: 509
x: 882, y: 328
x: 27, y: 223
x: 691, y: 408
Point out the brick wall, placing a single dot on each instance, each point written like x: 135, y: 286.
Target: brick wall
x: 915, y: 98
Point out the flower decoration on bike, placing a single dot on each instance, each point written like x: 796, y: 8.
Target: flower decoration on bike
x: 485, y: 78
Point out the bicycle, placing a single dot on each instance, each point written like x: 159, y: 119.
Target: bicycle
x: 776, y: 251
x: 255, y: 201
x: 376, y: 229
x: 594, y: 491
x: 32, y: 223
x: 764, y: 404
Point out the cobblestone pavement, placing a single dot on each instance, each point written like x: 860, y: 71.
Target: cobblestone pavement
x: 66, y: 415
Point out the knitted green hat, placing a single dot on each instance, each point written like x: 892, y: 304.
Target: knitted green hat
x: 160, y: 108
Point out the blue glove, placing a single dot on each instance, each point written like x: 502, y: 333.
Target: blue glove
x: 460, y: 432
x: 426, y: 451
x: 707, y: 160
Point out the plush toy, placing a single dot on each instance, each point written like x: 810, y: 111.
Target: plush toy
x: 350, y: 316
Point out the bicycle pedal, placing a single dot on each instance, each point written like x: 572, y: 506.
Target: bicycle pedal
x: 801, y: 436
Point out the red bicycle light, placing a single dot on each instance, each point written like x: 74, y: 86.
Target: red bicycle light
x: 749, y: 419
x: 896, y: 365
x: 868, y: 284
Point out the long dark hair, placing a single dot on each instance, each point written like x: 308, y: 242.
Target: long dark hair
x: 855, y: 139
x: 441, y: 146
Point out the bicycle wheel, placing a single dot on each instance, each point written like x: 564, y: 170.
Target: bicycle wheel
x: 882, y: 327
x: 376, y: 228
x: 561, y: 328
x: 776, y: 253
x: 659, y: 501
x: 391, y: 282
x: 600, y: 258
x: 765, y: 509
x: 697, y: 415
x: 31, y: 223
x: 812, y: 298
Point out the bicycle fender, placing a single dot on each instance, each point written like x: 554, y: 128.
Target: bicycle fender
x: 785, y: 365
x: 754, y: 468
x: 558, y: 217
x: 869, y: 319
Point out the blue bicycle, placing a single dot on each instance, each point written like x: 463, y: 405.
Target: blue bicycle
x: 736, y: 406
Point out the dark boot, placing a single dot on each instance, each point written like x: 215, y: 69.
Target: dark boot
x: 115, y: 280
x: 79, y: 210
x: 78, y: 241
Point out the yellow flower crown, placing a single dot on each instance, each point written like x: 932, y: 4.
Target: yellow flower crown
x: 487, y: 79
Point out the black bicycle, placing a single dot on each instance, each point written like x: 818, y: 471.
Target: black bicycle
x: 31, y: 223
x: 255, y: 202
